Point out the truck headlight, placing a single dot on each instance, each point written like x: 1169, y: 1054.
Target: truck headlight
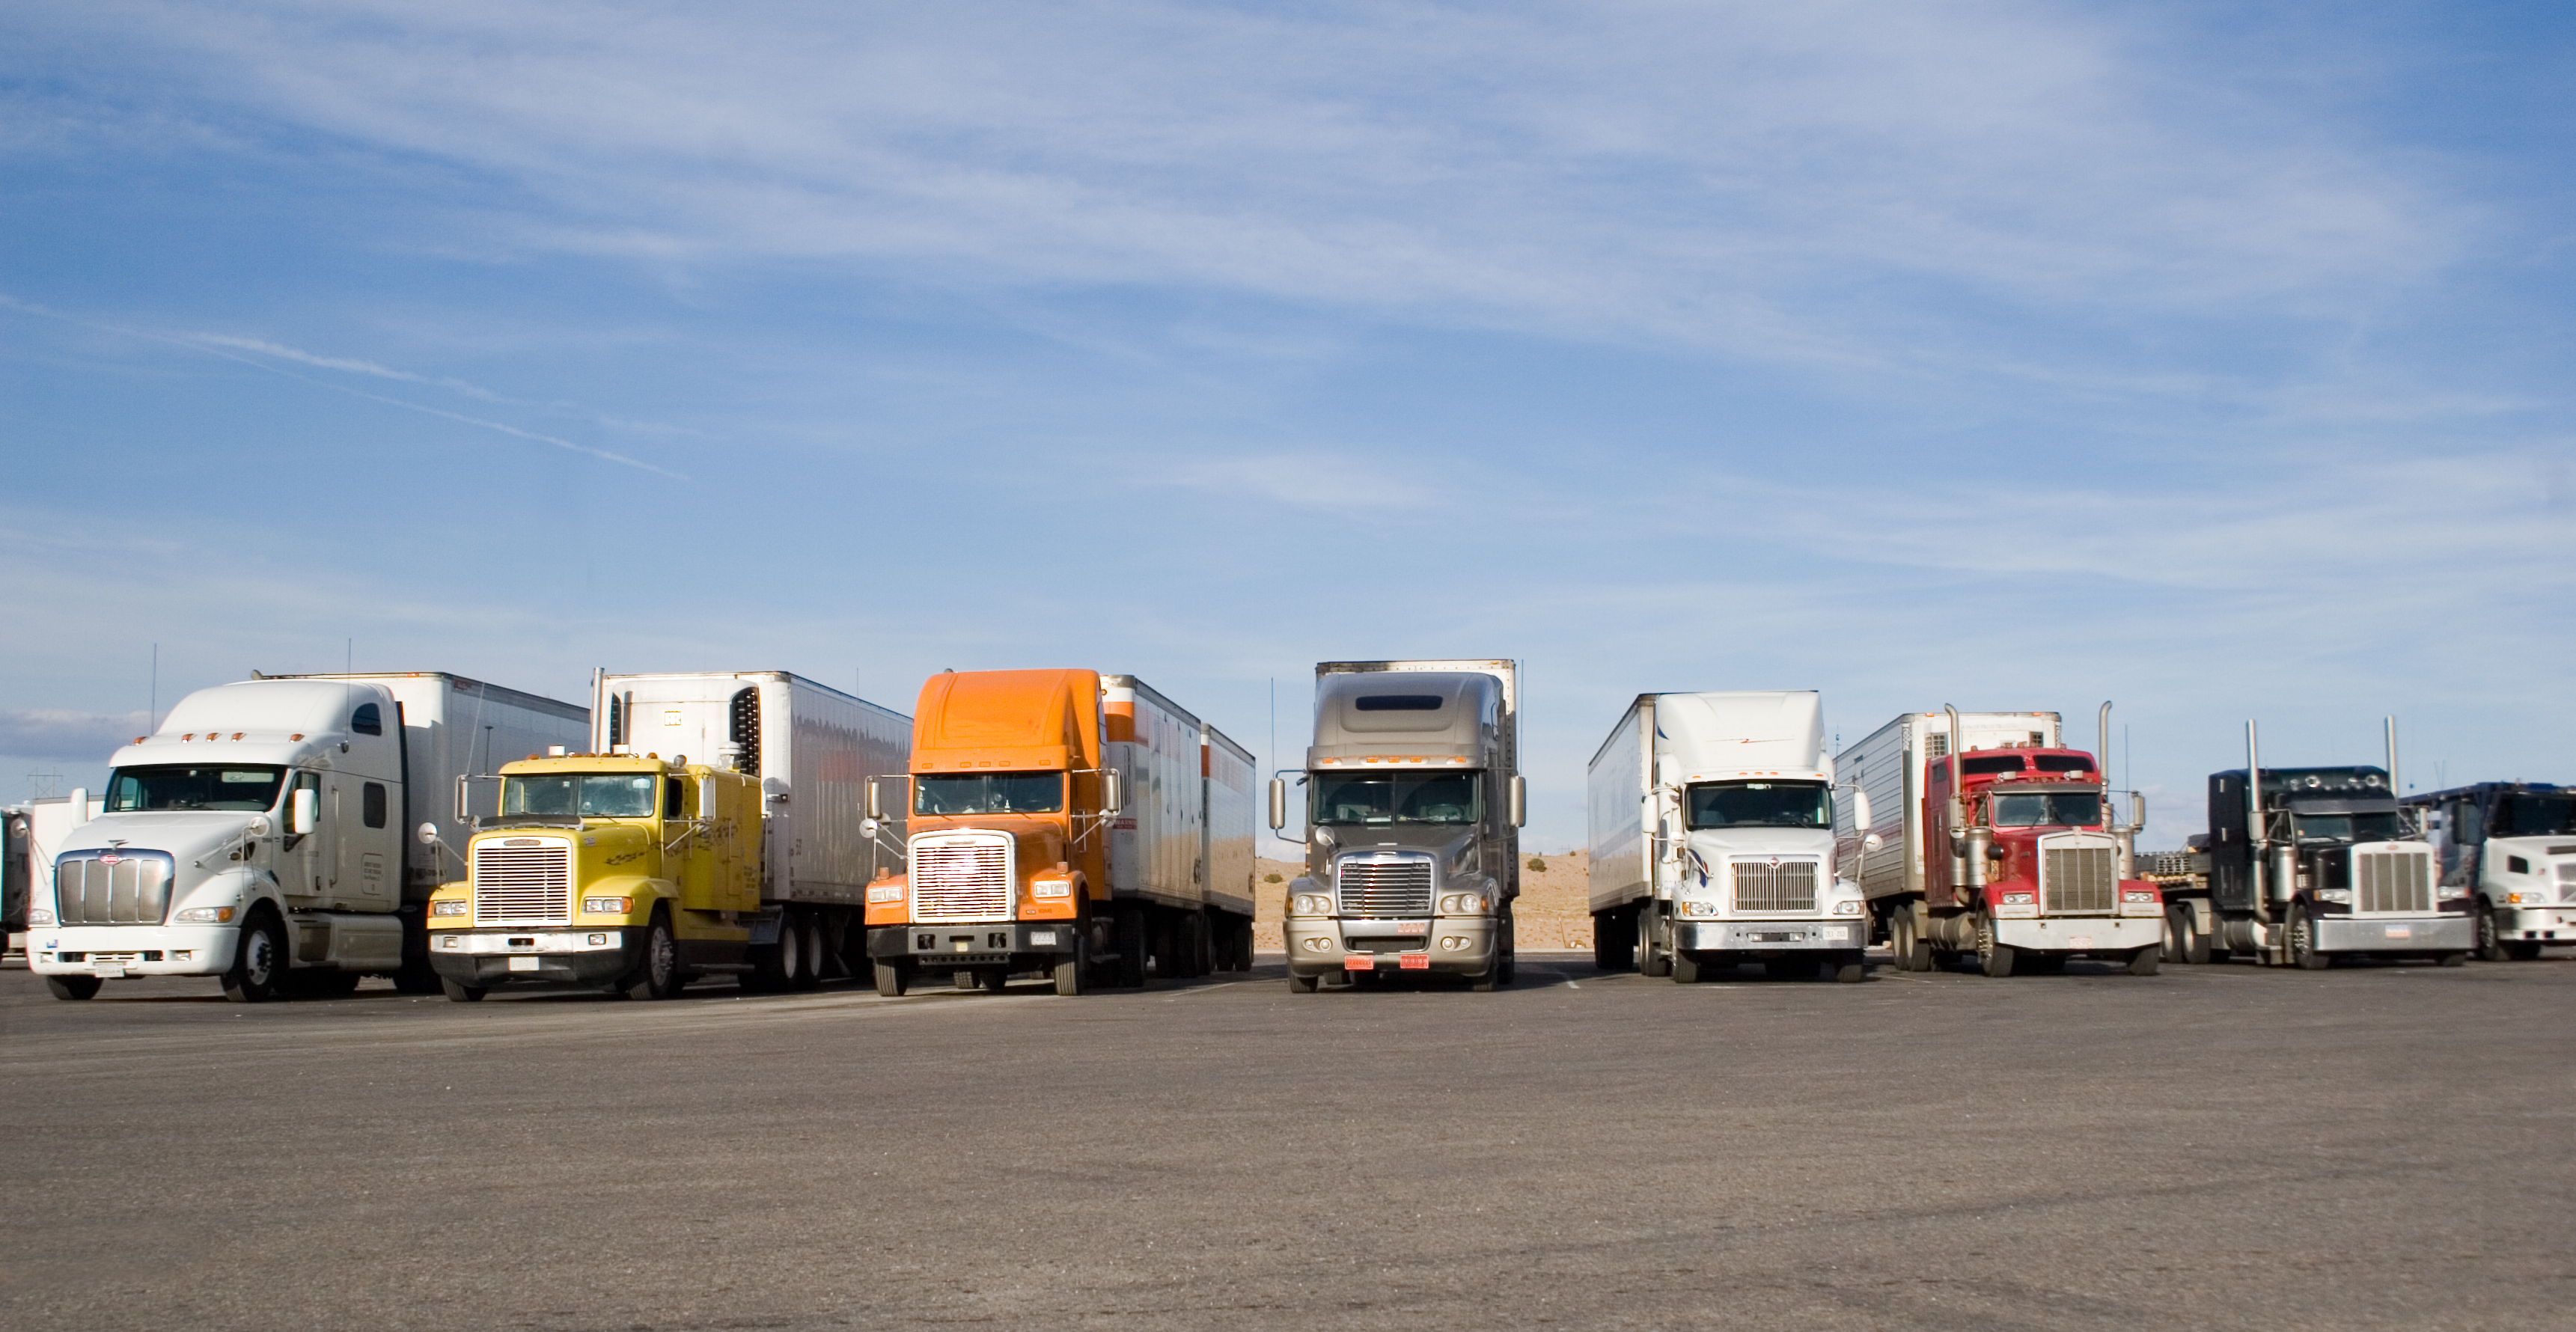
x: 1463, y: 904
x: 2451, y: 892
x: 39, y: 916
x: 2340, y: 896
x: 1697, y: 910
x: 454, y: 906
x: 2016, y: 899
x: 607, y: 906
x: 2137, y: 895
x: 1310, y: 904
x: 187, y: 916
x: 1850, y: 908
x: 885, y: 892
x: 2527, y: 899
x: 1054, y: 887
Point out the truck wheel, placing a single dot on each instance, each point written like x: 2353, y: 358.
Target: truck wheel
x: 72, y: 987
x: 460, y: 993
x: 1993, y: 958
x: 1068, y: 970
x: 2196, y: 950
x: 2303, y: 942
x: 258, y: 962
x: 1849, y: 970
x: 2490, y: 948
x: 1686, y: 969
x: 1614, y: 946
x: 893, y: 978
x: 1651, y: 961
x: 2177, y: 941
x: 659, y: 975
x: 1912, y: 953
x: 1303, y: 984
x: 2145, y: 961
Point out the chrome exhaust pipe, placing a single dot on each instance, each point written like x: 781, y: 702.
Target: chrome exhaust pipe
x: 1959, y: 861
x: 2260, y: 847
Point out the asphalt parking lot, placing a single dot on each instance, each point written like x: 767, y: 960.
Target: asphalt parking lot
x: 2211, y: 1147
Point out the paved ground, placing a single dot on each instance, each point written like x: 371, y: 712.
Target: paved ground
x: 2213, y: 1147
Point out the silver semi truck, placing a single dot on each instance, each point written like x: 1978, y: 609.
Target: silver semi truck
x: 1711, y: 822
x: 1414, y: 804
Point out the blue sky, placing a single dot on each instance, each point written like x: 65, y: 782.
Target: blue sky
x: 2204, y: 358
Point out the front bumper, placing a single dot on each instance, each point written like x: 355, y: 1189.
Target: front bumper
x: 1847, y: 934
x: 485, y: 958
x: 2547, y: 924
x: 1449, y: 946
x: 2082, y: 934
x: 2412, y: 934
x: 132, y: 950
x: 1019, y: 944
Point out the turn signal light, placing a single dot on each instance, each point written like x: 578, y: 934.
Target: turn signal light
x: 607, y: 906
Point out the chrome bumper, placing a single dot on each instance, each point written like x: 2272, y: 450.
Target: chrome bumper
x: 2082, y: 934
x: 132, y: 950
x: 1455, y: 946
x: 1768, y: 936
x: 2415, y: 934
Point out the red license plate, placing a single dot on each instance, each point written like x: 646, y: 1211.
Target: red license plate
x: 1359, y: 962
x: 1414, y: 961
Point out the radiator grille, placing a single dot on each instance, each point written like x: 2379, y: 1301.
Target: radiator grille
x: 2079, y: 880
x: 1400, y: 887
x: 2392, y: 881
x: 1788, y: 885
x: 961, y: 879
x: 131, y: 889
x: 523, y: 885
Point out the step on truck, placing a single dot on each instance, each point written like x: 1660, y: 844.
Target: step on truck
x: 1711, y: 823
x: 714, y: 826
x: 1414, y: 804
x: 1075, y: 825
x: 2512, y: 847
x: 2304, y: 865
x: 263, y: 835
x: 2002, y: 847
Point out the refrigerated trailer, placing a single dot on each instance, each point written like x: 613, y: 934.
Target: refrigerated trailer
x: 1078, y: 825
x: 2511, y: 847
x: 1711, y: 821
x: 1997, y: 844
x: 716, y: 825
x: 265, y: 833
x: 1414, y: 804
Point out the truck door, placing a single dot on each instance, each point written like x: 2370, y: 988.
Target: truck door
x: 303, y: 863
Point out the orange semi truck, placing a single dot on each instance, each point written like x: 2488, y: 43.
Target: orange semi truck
x: 1068, y: 823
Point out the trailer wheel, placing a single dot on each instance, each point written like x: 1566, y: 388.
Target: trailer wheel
x: 2303, y: 942
x: 258, y: 961
x: 1651, y: 961
x: 2490, y: 948
x: 458, y: 992
x: 809, y: 943
x: 1912, y: 953
x: 2145, y: 961
x: 1068, y: 969
x: 2177, y: 941
x: 893, y: 978
x: 1614, y: 944
x: 1243, y: 945
x: 1993, y: 958
x: 72, y: 987
x: 659, y: 975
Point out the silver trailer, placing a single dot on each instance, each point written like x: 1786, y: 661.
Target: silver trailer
x: 1414, y: 804
x: 1182, y: 841
x: 1711, y: 820
x: 2511, y: 846
x: 815, y: 750
x: 1886, y: 772
x: 266, y: 833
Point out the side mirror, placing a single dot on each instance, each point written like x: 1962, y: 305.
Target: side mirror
x: 1860, y: 811
x: 1278, y: 803
x: 428, y: 834
x: 876, y: 805
x: 1113, y: 791
x: 80, y: 805
x: 303, y: 810
x: 2137, y: 810
x: 1871, y: 841
x: 1519, y: 801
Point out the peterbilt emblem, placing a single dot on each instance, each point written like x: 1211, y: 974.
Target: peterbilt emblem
x: 1775, y: 862
x: 111, y: 858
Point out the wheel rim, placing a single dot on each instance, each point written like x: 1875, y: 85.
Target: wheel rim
x: 2300, y: 944
x: 2486, y: 932
x: 661, y: 955
x: 259, y: 957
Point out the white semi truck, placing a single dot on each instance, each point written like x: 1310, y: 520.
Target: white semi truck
x: 1711, y: 821
x: 2510, y: 848
x: 262, y: 834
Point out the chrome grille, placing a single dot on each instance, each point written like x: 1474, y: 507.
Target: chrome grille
x: 960, y: 879
x: 2079, y: 880
x: 1392, y: 887
x: 112, y: 888
x: 1788, y: 885
x: 523, y: 885
x: 2392, y: 881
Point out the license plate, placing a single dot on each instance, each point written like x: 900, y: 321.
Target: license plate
x: 2401, y: 931
x: 1359, y: 962
x: 2080, y: 941
x: 111, y: 971
x: 524, y: 963
x: 1777, y: 938
x: 1414, y: 961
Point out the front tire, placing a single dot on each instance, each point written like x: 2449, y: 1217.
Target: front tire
x: 1994, y: 958
x: 2303, y: 942
x: 893, y: 978
x: 1651, y: 961
x: 659, y: 976
x: 2491, y: 947
x: 72, y: 988
x: 258, y: 962
x: 1069, y: 968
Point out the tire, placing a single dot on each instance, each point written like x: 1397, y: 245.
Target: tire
x: 1303, y: 984
x: 1850, y: 970
x: 809, y: 950
x: 893, y: 978
x: 460, y: 993
x: 1993, y: 958
x: 2303, y: 942
x: 258, y: 962
x: 2177, y: 942
x: 1651, y: 961
x: 1614, y: 942
x: 2489, y: 948
x: 1069, y: 969
x: 658, y: 976
x: 1685, y: 969
x: 1912, y: 953
x: 2197, y: 951
x: 72, y: 988
x: 791, y: 973
x: 2145, y: 961
x: 1243, y: 945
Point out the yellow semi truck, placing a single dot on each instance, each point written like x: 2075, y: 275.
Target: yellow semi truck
x: 627, y: 873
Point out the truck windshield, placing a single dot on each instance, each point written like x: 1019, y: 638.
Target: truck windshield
x: 596, y: 795
x: 1761, y: 805
x: 2346, y: 827
x: 251, y: 788
x: 2048, y: 809
x: 1448, y: 797
x: 2534, y: 816
x: 989, y: 793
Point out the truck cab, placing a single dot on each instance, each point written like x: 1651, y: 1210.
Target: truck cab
x: 621, y: 872
x: 2509, y: 848
x: 2322, y: 861
x: 2035, y: 870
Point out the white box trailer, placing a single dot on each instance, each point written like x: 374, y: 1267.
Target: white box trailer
x: 265, y: 833
x: 1888, y: 767
x: 1711, y: 830
x: 1184, y: 835
x: 814, y: 749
